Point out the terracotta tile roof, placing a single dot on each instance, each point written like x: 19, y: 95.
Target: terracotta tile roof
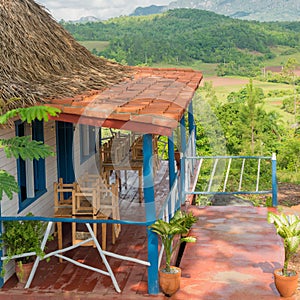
x: 152, y: 101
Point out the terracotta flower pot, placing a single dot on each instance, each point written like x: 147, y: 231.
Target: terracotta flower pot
x: 286, y: 285
x: 23, y: 271
x: 169, y: 282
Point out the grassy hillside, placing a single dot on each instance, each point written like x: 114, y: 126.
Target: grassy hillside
x: 282, y: 54
x: 191, y: 37
x: 224, y: 86
x: 95, y: 45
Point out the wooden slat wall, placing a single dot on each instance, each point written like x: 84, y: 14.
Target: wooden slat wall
x: 44, y: 205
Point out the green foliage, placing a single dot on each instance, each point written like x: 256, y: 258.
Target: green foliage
x: 247, y: 126
x: 288, y: 228
x: 202, y: 200
x: 183, y: 36
x: 8, y: 184
x: 22, y: 237
x: 287, y: 75
x: 185, y: 219
x: 288, y: 105
x: 178, y: 225
x: 289, y: 153
x: 210, y: 136
x: 22, y: 146
x: 29, y: 114
x: 244, y: 127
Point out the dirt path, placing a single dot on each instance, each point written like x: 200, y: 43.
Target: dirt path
x: 288, y: 194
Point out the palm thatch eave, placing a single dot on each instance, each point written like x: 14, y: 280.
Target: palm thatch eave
x: 40, y: 60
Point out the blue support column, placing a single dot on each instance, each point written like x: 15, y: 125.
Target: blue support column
x: 172, y: 173
x: 182, y: 161
x: 192, y: 127
x: 171, y: 160
x: 100, y: 137
x: 1, y: 254
x: 183, y: 134
x: 191, y: 118
x: 153, y: 286
x: 274, y: 181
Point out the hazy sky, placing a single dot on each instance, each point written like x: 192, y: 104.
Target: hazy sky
x: 103, y: 9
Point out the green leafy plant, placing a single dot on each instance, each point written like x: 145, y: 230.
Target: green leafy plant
x: 22, y: 237
x: 203, y: 200
x: 22, y: 146
x: 287, y: 227
x: 186, y: 219
x: 177, y: 226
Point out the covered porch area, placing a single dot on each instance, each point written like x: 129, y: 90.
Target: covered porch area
x: 233, y: 258
x: 153, y: 102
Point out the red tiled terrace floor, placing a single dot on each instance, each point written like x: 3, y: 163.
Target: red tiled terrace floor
x: 233, y: 258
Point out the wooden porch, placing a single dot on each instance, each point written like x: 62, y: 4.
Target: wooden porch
x: 53, y: 278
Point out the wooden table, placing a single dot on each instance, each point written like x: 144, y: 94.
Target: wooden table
x: 132, y: 165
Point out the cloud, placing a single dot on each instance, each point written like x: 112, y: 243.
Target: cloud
x: 102, y: 9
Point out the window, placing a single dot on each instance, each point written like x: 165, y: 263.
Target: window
x: 87, y: 142
x: 31, y: 173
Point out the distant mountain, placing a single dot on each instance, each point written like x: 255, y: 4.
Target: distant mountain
x: 149, y: 10
x: 86, y: 20
x: 267, y: 10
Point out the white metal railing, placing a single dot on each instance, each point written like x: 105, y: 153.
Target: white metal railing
x: 59, y: 253
x: 222, y: 186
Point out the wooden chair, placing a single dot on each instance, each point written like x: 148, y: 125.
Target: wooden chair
x: 137, y: 149
x: 85, y: 204
x: 111, y: 152
x: 62, y: 204
x: 122, y: 143
x: 96, y: 201
x: 109, y: 205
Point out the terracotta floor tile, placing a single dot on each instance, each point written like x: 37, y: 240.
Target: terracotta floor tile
x: 233, y: 259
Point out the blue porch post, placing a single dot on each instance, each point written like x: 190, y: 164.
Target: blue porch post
x: 171, y: 160
x: 191, y: 118
x: 182, y: 161
x: 172, y: 173
x: 183, y: 134
x: 1, y: 254
x: 274, y: 181
x: 153, y: 287
x: 192, y: 127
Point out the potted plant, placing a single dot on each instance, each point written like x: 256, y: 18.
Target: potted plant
x: 288, y: 227
x: 22, y: 237
x: 186, y: 219
x: 169, y: 276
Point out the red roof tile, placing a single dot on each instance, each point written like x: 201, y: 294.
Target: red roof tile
x: 152, y: 101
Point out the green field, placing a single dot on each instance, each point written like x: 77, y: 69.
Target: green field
x: 207, y: 69
x: 223, y: 86
x: 97, y: 45
x: 281, y: 58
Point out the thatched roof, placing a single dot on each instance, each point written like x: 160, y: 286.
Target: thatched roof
x: 40, y: 60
